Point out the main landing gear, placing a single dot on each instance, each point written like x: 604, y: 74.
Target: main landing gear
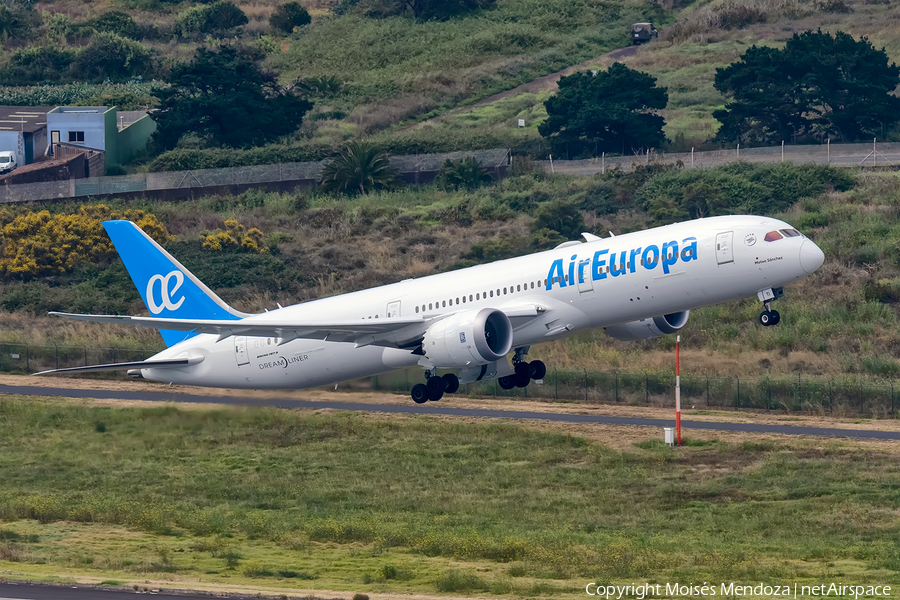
x: 770, y: 317
x: 435, y: 387
x: 524, y: 371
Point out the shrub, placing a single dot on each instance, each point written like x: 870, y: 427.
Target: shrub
x: 38, y: 243
x: 360, y: 597
x: 213, y: 19
x: 288, y: 16
x: 110, y: 56
x: 35, y: 64
x: 116, y: 22
x: 462, y: 174
x: 235, y: 236
x: 460, y: 581
x: 560, y: 216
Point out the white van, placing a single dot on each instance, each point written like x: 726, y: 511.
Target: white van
x: 7, y: 161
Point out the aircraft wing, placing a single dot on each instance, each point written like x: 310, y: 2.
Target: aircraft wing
x: 391, y: 331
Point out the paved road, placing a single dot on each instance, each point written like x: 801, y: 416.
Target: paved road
x: 442, y: 408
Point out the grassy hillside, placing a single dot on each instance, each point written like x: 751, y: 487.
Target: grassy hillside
x: 843, y: 319
x: 288, y: 500
x: 705, y: 36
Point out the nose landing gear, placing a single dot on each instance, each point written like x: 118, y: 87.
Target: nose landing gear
x: 769, y: 317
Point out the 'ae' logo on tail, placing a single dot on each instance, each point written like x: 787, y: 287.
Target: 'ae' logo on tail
x: 167, y: 289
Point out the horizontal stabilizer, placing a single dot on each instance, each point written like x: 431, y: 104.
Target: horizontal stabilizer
x: 138, y: 364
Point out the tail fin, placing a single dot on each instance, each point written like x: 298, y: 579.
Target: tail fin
x: 166, y: 286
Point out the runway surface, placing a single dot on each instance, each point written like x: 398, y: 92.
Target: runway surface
x: 440, y: 408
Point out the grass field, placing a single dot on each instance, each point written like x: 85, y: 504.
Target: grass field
x: 352, y: 502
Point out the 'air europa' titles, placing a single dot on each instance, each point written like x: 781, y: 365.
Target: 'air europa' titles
x: 603, y: 263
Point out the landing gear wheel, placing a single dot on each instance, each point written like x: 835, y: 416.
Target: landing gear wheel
x: 766, y: 318
x: 419, y: 393
x: 435, y: 386
x: 508, y: 382
x: 523, y: 374
x: 452, y: 383
x: 776, y: 318
x: 538, y: 369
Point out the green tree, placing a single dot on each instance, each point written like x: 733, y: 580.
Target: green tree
x: 358, y: 168
x: 462, y: 174
x: 289, y: 15
x: 610, y: 111
x: 819, y: 86
x: 110, y: 56
x: 225, y: 97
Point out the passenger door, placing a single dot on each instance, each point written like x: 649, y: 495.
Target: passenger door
x: 724, y: 250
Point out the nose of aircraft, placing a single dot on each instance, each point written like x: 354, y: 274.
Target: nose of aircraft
x: 811, y: 256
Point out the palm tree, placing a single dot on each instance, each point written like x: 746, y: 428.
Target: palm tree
x: 359, y: 168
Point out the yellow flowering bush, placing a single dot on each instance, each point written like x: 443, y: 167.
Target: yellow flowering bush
x: 234, y: 236
x: 38, y: 243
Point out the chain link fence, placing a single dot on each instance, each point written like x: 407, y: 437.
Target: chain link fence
x: 813, y: 394
x: 885, y: 154
x: 419, y: 168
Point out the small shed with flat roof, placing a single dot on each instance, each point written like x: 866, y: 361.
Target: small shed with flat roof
x: 22, y: 130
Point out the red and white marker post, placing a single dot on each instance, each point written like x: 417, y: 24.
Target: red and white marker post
x: 678, y: 390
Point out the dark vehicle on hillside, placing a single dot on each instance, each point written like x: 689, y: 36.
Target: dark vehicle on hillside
x: 642, y: 33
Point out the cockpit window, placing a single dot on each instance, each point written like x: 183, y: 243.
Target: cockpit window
x: 773, y: 236
x: 790, y: 232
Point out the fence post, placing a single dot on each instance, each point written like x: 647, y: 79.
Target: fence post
x: 556, y: 383
x: 56, y: 352
x: 707, y: 391
x: 585, y: 385
x: 27, y: 360
x: 85, y: 356
x: 830, y: 398
x: 617, y: 386
x: 860, y: 397
x: 799, y: 392
x: 892, y: 396
x: 646, y: 389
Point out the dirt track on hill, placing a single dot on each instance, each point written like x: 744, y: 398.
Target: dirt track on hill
x: 541, y: 84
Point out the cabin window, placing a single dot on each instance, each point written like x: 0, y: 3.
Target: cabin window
x: 478, y: 296
x: 470, y: 297
x: 518, y: 288
x: 457, y: 301
x: 504, y: 291
x: 445, y: 304
x: 417, y: 309
x: 492, y: 293
x: 773, y: 236
x: 464, y: 299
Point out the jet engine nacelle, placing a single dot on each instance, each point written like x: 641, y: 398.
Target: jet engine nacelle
x: 650, y: 327
x: 468, y: 338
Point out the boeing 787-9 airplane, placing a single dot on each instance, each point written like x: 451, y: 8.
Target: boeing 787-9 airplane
x: 636, y: 286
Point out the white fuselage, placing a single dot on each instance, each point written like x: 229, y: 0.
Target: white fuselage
x: 581, y: 286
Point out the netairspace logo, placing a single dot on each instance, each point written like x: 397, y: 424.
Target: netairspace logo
x: 669, y: 590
